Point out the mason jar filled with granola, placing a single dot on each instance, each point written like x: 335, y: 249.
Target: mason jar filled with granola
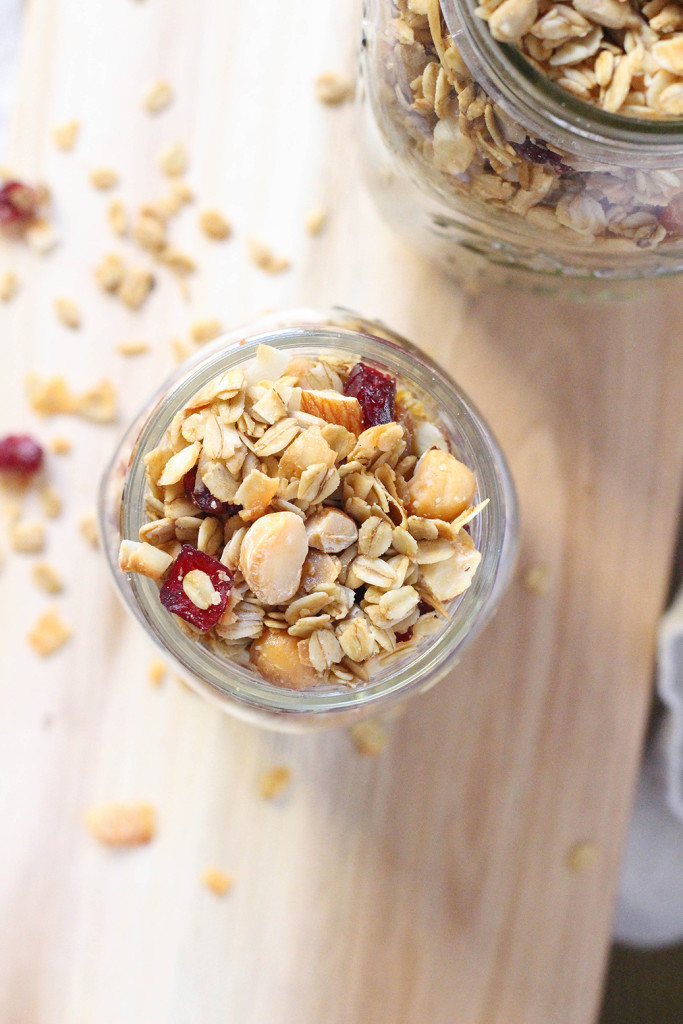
x: 531, y: 138
x: 310, y: 519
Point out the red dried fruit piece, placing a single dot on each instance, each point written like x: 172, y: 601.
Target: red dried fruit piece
x: 18, y: 203
x: 671, y: 217
x: 204, y: 499
x: 19, y: 453
x: 538, y: 153
x: 401, y: 638
x: 174, y: 598
x: 375, y: 391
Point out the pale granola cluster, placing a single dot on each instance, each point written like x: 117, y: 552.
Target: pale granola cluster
x: 344, y: 544
x: 471, y: 148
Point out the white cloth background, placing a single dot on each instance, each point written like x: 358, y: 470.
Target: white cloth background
x: 650, y: 908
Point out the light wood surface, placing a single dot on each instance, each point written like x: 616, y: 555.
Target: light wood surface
x: 428, y: 885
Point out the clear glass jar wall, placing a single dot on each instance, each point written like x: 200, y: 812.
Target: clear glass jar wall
x: 494, y: 531
x: 482, y: 160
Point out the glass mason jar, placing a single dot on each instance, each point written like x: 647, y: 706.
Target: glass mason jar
x: 486, y: 164
x: 494, y: 531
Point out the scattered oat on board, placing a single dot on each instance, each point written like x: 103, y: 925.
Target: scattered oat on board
x: 369, y: 737
x: 68, y: 313
x: 47, y: 578
x: 49, y: 634
x: 217, y: 880
x: 202, y: 331
x: 61, y: 445
x: 50, y: 501
x: 158, y: 97
x: 27, y: 537
x: 262, y: 256
x: 333, y: 88
x: 316, y: 220
x: 156, y: 671
x: 214, y: 225
x: 536, y: 579
x: 117, y: 217
x: 9, y: 284
x: 173, y: 161
x: 65, y: 135
x: 583, y: 855
x: 51, y: 396
x: 104, y: 178
x: 88, y: 527
x: 122, y: 824
x: 274, y: 782
x: 41, y: 236
x: 132, y: 348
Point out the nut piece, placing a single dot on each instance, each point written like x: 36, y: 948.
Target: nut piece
x: 28, y: 537
x: 47, y: 578
x: 450, y: 577
x: 329, y: 405
x: 49, y: 633
x: 214, y: 225
x: 272, y: 556
x: 68, y: 312
x: 275, y: 656
x: 116, y: 824
x: 217, y: 880
x: 442, y: 487
x: 139, y: 556
x: 331, y: 530
x: 174, y: 160
x: 274, y: 782
x: 333, y: 88
x: 64, y: 135
x: 315, y: 220
x: 158, y: 97
x: 104, y: 178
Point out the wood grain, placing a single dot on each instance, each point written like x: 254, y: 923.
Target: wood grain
x: 426, y: 886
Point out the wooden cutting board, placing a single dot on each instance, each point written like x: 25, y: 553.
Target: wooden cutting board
x: 429, y: 885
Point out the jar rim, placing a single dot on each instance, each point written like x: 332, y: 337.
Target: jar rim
x: 240, y: 685
x: 551, y: 112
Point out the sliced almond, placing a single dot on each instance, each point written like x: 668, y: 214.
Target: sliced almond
x: 329, y: 405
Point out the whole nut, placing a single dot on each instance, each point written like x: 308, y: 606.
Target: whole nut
x: 441, y: 487
x: 272, y: 556
x: 452, y: 576
x: 275, y: 656
x: 331, y: 530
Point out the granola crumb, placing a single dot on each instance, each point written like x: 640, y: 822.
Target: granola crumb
x: 316, y: 220
x: 50, y: 501
x: 536, y: 579
x: 180, y: 194
x: 132, y: 348
x: 262, y: 256
x: 217, y: 880
x: 583, y: 855
x: 64, y: 135
x: 88, y: 527
x: 205, y: 330
x: 333, y: 88
x: 173, y: 160
x: 9, y: 284
x: 68, y: 313
x: 117, y: 217
x: 156, y: 671
x: 27, y: 537
x: 49, y: 633
x: 274, y: 782
x: 214, y: 225
x: 369, y: 737
x: 119, y: 824
x: 109, y: 273
x: 158, y: 97
x: 61, y: 445
x: 46, y: 577
x: 104, y: 178
x: 50, y: 396
x: 135, y: 287
x: 177, y: 261
x: 98, y: 404
x: 41, y: 236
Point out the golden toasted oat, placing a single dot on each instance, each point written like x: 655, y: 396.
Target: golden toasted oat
x: 104, y: 178
x: 27, y: 537
x: 316, y: 220
x: 214, y: 224
x: 117, y: 217
x: 583, y: 855
x: 64, y: 135
x: 41, y: 236
x: 333, y: 88
x: 9, y: 284
x: 50, y: 501
x: 173, y: 161
x: 46, y: 577
x: 88, y: 527
x: 536, y: 579
x: 122, y: 824
x: 135, y: 287
x: 262, y: 256
x: 369, y: 737
x: 217, y: 880
x: 68, y: 313
x: 61, y: 445
x: 49, y: 633
x: 158, y: 97
x: 156, y: 671
x: 177, y: 260
x: 274, y: 782
x: 98, y: 403
x: 110, y: 272
x: 132, y: 348
x: 205, y: 330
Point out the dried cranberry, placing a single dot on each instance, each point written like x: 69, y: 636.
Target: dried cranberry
x: 202, y: 497
x: 19, y: 453
x: 18, y: 203
x: 671, y: 217
x: 401, y: 638
x: 538, y: 153
x: 376, y: 392
x: 424, y: 608
x: 174, y: 598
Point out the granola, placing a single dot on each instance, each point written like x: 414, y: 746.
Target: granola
x: 306, y: 519
x: 623, y: 58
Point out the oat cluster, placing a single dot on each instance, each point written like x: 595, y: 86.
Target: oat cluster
x: 473, y: 149
x: 339, y: 546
